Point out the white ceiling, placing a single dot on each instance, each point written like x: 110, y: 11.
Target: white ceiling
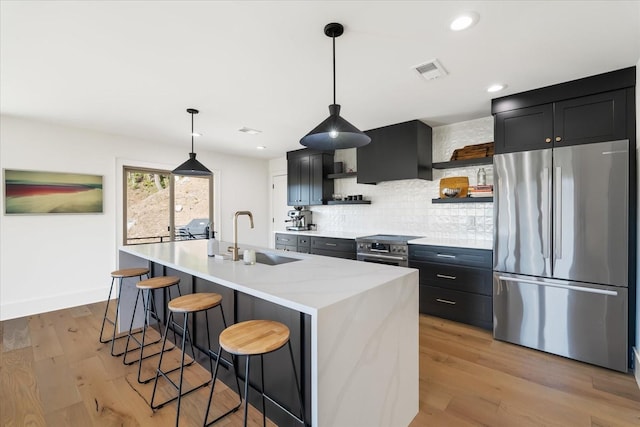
x: 134, y: 67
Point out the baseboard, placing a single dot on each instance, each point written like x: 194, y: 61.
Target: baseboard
x: 24, y: 308
x: 637, y: 365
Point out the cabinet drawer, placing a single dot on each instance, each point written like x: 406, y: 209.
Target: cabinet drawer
x: 327, y: 243
x: 291, y: 248
x: 481, y: 258
x: 286, y: 239
x: 335, y: 254
x: 304, y: 241
x: 463, y: 307
x: 456, y: 278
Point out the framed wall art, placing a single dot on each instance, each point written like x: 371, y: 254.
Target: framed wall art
x: 35, y: 192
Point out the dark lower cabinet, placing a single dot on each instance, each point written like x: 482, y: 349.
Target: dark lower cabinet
x: 293, y: 242
x: 327, y: 246
x: 337, y: 248
x: 455, y: 283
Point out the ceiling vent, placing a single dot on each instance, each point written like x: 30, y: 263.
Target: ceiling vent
x: 431, y: 70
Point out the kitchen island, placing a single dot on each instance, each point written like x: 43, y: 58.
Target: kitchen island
x: 355, y: 324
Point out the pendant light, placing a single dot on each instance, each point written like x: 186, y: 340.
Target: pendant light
x: 335, y: 132
x: 192, y: 166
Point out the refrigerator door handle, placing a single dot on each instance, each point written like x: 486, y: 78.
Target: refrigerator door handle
x: 557, y: 223
x: 560, y: 285
x: 546, y: 197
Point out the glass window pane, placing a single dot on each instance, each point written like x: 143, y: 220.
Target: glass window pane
x: 147, y: 206
x: 192, y: 207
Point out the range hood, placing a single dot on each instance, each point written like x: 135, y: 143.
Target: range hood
x: 400, y: 151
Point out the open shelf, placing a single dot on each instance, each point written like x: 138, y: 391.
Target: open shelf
x: 349, y: 202
x: 342, y: 175
x: 463, y: 163
x: 464, y: 200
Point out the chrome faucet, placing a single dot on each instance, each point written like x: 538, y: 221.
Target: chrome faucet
x: 234, y: 249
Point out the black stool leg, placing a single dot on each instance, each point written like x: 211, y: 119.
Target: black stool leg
x: 164, y: 341
x: 184, y: 340
x: 246, y: 392
x: 106, y: 311
x: 115, y: 320
x: 264, y: 407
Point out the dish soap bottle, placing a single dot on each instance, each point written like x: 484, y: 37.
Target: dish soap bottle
x: 482, y: 177
x: 212, y: 244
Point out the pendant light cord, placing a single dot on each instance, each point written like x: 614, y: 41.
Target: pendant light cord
x: 192, y: 132
x: 334, y: 68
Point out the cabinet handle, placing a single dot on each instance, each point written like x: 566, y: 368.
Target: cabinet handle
x: 444, y: 276
x: 558, y: 139
x: 331, y: 244
x: 446, y: 301
x: 547, y: 140
x: 445, y: 256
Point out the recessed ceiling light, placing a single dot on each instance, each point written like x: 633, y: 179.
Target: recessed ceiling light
x: 260, y: 147
x: 464, y: 21
x: 249, y: 130
x: 496, y: 88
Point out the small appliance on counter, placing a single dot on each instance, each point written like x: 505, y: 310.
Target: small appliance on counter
x: 300, y: 219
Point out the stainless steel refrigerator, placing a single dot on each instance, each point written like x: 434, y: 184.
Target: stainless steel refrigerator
x: 561, y: 251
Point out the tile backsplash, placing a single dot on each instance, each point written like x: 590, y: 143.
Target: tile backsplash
x: 405, y: 207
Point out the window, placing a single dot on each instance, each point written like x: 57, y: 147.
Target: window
x: 156, y: 202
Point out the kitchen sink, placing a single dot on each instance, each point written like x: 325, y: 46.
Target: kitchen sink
x: 272, y: 259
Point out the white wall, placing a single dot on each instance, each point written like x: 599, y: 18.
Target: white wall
x: 405, y: 207
x: 49, y: 262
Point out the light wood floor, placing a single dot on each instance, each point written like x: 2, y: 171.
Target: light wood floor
x: 53, y: 372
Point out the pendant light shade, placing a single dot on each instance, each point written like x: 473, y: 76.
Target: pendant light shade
x: 192, y: 167
x: 334, y: 133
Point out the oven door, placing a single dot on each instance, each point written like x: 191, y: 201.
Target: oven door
x: 396, y: 260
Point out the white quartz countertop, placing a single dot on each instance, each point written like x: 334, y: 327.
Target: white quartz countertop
x: 307, y: 285
x: 453, y: 242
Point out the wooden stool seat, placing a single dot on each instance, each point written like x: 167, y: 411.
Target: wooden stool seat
x: 254, y: 337
x: 158, y: 282
x: 129, y: 272
x: 195, y: 302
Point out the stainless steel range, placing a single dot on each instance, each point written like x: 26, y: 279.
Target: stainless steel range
x: 387, y: 249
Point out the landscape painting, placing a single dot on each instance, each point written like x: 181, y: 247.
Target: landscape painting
x: 31, y: 192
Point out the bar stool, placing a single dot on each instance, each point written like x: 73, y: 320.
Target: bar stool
x: 252, y: 338
x: 120, y: 275
x: 150, y: 311
x: 186, y: 304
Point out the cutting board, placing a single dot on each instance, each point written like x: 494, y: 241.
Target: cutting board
x: 461, y: 182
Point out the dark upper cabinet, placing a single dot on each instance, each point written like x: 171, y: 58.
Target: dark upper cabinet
x: 307, y: 182
x: 400, y: 151
x: 584, y: 120
x: 588, y: 119
x: 592, y: 109
x: 524, y: 129
x: 298, y: 180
